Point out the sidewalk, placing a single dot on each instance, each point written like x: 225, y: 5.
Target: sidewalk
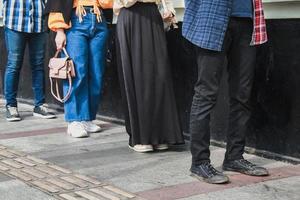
x: 112, y: 171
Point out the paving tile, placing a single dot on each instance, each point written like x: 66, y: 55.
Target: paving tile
x: 4, y: 167
x: 61, y: 183
x: 88, y: 179
x: 104, y: 194
x: 48, y: 170
x: 37, y: 160
x: 61, y: 169
x: 17, y: 153
x: 89, y: 196
x: 20, y: 175
x: 76, y: 181
x: 12, y: 163
x: 35, y: 173
x: 7, y: 154
x: 68, y: 197
x: 25, y: 162
x: 119, y: 191
x: 46, y: 186
x: 2, y: 147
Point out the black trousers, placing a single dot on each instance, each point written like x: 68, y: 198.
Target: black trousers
x: 241, y: 62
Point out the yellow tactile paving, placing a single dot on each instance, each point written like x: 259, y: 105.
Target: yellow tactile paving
x: 104, y: 194
x: 25, y: 162
x: 57, y: 181
x: 76, y: 181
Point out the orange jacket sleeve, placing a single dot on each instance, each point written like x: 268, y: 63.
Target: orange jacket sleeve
x: 56, y: 21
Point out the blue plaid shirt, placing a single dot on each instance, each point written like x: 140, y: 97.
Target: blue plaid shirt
x: 24, y: 15
x: 205, y: 22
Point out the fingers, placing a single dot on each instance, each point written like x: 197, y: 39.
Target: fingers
x: 60, y: 40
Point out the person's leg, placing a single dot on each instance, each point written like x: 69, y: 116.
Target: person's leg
x: 97, y: 61
x: 210, y: 68
x: 15, y: 45
x: 77, y: 106
x: 37, y: 42
x: 241, y: 64
x: 242, y: 58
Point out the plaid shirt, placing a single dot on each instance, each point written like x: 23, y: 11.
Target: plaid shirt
x: 205, y: 23
x: 24, y: 15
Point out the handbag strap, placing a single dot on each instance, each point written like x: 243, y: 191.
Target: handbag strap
x: 57, y: 95
x: 164, y: 4
x: 65, y: 52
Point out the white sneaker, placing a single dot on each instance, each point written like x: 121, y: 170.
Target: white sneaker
x: 90, y: 127
x: 161, y: 147
x: 141, y: 148
x: 77, y: 130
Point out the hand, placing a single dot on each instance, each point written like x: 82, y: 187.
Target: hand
x: 168, y: 16
x: 60, y: 39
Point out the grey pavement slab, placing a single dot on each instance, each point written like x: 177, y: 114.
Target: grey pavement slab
x: 106, y: 155
x: 17, y: 190
x: 283, y: 189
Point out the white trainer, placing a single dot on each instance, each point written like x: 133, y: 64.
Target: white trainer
x: 141, y: 148
x: 77, y: 130
x: 90, y: 127
x: 161, y: 147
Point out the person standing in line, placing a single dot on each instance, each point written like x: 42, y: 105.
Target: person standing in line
x: 223, y: 29
x: 81, y: 27
x: 151, y: 116
x: 24, y: 26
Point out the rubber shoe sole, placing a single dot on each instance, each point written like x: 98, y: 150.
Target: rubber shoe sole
x: 13, y: 119
x: 79, y: 136
x: 94, y: 131
x: 161, y: 148
x: 139, y: 150
x: 245, y: 172
x: 43, y: 116
x: 206, y: 180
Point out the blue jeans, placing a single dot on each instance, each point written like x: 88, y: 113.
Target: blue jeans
x: 15, y: 45
x: 86, y: 45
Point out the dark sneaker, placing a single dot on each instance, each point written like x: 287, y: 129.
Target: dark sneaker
x: 12, y: 114
x: 207, y: 173
x: 245, y: 167
x: 42, y: 112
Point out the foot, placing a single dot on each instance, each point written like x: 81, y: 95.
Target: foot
x: 245, y: 167
x: 77, y: 130
x: 207, y: 173
x: 90, y: 127
x: 42, y: 112
x: 12, y: 114
x: 141, y: 148
x: 161, y: 147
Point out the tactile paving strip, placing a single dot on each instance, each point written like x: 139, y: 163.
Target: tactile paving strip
x: 57, y: 181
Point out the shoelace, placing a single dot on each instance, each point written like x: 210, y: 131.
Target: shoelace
x: 247, y: 163
x: 87, y: 124
x: 13, y: 110
x: 79, y: 124
x: 44, y: 109
x: 211, y: 170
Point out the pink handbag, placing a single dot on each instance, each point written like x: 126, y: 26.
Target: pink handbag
x: 63, y: 69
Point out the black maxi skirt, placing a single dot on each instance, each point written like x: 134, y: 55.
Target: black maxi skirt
x: 145, y: 77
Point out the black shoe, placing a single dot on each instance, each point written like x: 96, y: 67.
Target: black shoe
x: 42, y: 111
x: 12, y: 114
x: 245, y: 167
x: 207, y: 173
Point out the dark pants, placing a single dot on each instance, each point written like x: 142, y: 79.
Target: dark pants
x: 241, y: 62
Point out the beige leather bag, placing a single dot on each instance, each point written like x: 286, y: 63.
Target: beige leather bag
x: 61, y: 68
